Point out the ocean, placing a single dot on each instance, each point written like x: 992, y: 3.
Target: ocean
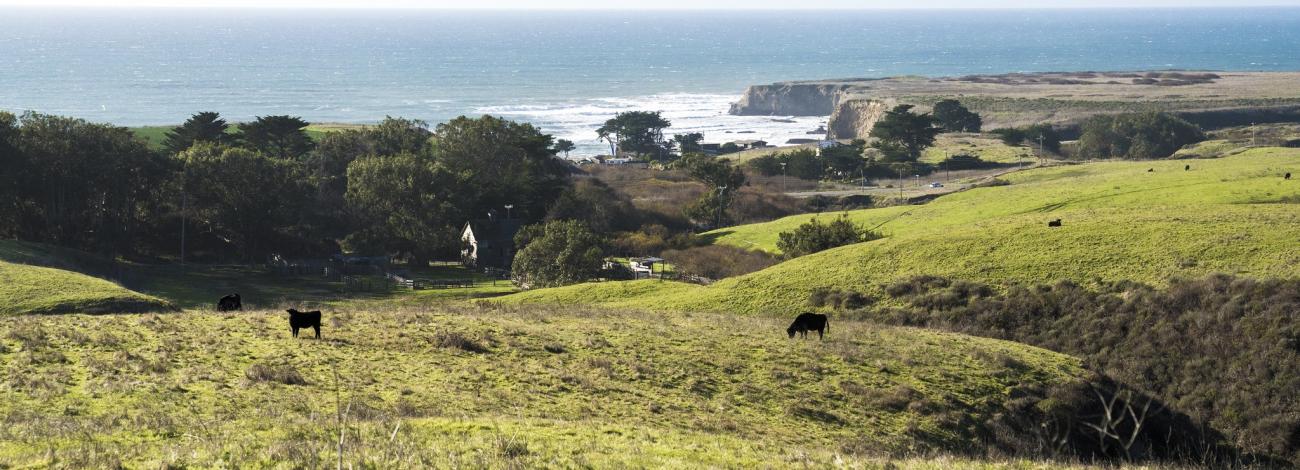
x: 567, y: 72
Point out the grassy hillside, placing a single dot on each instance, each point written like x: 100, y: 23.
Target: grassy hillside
x: 447, y: 384
x: 28, y: 287
x: 1233, y: 215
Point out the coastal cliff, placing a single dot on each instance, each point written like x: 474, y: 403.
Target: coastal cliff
x: 1065, y: 100
x: 790, y: 99
x: 854, y: 118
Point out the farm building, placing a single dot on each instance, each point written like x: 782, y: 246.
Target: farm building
x: 490, y: 242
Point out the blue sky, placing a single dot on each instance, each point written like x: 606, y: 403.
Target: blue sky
x: 664, y: 4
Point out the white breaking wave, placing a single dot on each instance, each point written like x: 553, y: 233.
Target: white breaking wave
x: 577, y: 120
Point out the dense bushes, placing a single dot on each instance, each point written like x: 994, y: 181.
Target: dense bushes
x: 1136, y: 136
x: 1223, y: 350
x: 718, y: 261
x: 815, y: 236
x: 956, y: 118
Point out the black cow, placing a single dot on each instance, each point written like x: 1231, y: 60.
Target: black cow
x: 304, y: 320
x: 230, y: 302
x: 1054, y: 223
x: 1187, y: 168
x: 1151, y: 170
x: 1287, y: 177
x: 806, y: 322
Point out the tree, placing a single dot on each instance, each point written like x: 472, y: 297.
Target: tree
x: 815, y: 236
x: 902, y: 135
x: 689, y: 143
x: 406, y: 205
x: 241, y: 201
x: 844, y: 160
x: 500, y: 162
x: 639, y: 132
x: 206, y: 126
x: 327, y: 165
x: 283, y: 137
x: 721, y: 179
x: 12, y: 171
x: 565, y: 146
x: 595, y: 204
x: 954, y: 117
x: 83, y: 185
x: 557, y: 253
x: 1136, y: 136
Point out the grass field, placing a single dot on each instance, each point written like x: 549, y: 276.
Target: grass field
x: 446, y: 384
x: 988, y: 148
x: 1232, y: 215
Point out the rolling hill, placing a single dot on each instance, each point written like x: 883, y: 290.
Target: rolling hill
x: 32, y: 282
x: 414, y: 386
x: 1232, y: 215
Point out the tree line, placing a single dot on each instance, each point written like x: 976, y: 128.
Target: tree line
x: 243, y: 192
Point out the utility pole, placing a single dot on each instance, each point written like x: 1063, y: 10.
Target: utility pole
x: 184, y: 210
x: 1040, y: 149
x: 783, y: 177
x: 717, y: 217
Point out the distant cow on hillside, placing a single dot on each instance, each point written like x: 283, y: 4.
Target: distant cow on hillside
x: 304, y: 320
x: 1187, y: 168
x: 806, y: 322
x: 1054, y: 223
x: 230, y: 302
x: 1287, y: 177
x: 1151, y: 170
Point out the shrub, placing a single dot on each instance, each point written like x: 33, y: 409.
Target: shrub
x: 283, y: 374
x: 815, y: 236
x: 718, y: 261
x: 557, y: 253
x: 1031, y: 135
x: 458, y: 340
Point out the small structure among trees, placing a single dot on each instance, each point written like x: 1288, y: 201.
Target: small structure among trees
x: 490, y: 242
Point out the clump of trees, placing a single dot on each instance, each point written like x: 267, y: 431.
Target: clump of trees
x: 267, y: 187
x: 815, y: 236
x: 637, y: 132
x: 901, y: 135
x: 1035, y: 135
x: 954, y: 117
x: 1136, y: 136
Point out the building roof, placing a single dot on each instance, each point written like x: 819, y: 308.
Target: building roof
x: 499, y: 230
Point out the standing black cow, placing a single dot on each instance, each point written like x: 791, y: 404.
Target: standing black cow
x: 230, y: 302
x: 1187, y: 168
x: 1054, y: 223
x: 1287, y: 177
x: 806, y: 322
x: 304, y: 320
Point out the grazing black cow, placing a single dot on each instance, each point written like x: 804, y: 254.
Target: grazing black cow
x: 1151, y: 170
x: 806, y: 322
x: 1187, y: 168
x: 303, y: 320
x: 230, y: 302
x: 1287, y: 177
x: 1054, y: 223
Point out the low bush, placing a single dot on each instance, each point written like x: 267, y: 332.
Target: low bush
x: 815, y: 236
x: 718, y: 261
